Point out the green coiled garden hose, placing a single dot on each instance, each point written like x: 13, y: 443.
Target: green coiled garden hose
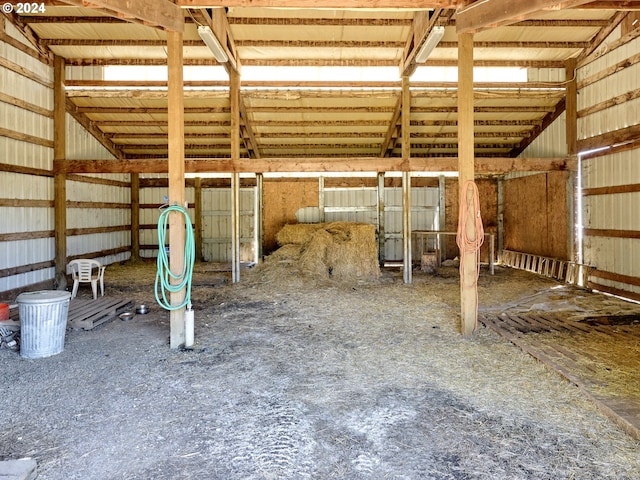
x: 166, y: 280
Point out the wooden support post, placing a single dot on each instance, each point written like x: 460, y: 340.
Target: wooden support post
x: 198, y: 219
x: 59, y: 154
x: 406, y: 180
x: 380, y: 218
x: 234, y: 94
x: 259, y: 215
x: 466, y: 171
x: 135, y: 217
x: 177, y: 233
x: 574, y: 250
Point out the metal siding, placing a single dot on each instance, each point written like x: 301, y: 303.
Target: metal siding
x: 393, y: 249
x: 82, y: 145
x: 25, y: 187
x: 424, y: 216
x: 614, y: 212
x: 351, y: 205
x: 84, y: 73
x: 150, y: 216
x: 620, y: 82
x: 216, y: 224
x: 552, y: 142
x: 611, y: 211
x: 619, y: 168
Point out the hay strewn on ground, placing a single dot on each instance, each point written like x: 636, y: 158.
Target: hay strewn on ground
x: 340, y: 250
x: 292, y: 379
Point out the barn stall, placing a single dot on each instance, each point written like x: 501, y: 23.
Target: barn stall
x: 301, y: 362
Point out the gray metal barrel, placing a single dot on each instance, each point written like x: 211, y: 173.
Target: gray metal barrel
x: 43, y: 322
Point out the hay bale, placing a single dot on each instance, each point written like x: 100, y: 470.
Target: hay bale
x: 297, y: 234
x: 341, y: 250
x: 313, y: 256
x: 286, y: 254
x: 354, y: 252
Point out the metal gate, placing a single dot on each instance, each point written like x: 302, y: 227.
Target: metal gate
x: 361, y: 205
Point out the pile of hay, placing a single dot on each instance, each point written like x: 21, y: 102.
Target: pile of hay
x: 341, y: 250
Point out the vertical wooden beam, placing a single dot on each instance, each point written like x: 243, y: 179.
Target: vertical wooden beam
x: 260, y: 215
x: 466, y: 172
x: 177, y: 232
x: 59, y: 154
x: 381, y: 237
x: 406, y: 180
x: 135, y: 217
x: 234, y: 94
x: 571, y: 113
x: 198, y: 220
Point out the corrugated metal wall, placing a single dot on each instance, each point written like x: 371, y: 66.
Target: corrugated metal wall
x: 216, y: 224
x: 552, y: 142
x: 27, y: 246
x: 151, y: 199
x: 611, y: 180
x: 26, y: 199
x: 424, y: 216
x: 98, y: 205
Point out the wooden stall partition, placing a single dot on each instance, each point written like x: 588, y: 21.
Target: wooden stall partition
x: 535, y: 214
x: 282, y: 198
x: 488, y: 191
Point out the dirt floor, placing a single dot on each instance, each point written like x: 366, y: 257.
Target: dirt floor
x: 295, y: 378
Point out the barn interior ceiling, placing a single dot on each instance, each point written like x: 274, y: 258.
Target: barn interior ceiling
x: 328, y: 115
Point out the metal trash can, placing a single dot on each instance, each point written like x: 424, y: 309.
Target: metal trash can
x: 43, y: 322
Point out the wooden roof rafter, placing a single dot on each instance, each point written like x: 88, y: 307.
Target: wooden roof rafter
x: 484, y: 14
x: 162, y: 14
x: 42, y: 52
x: 321, y: 22
x: 322, y: 4
x: 217, y: 20
x: 393, y: 130
x: 601, y: 36
x: 247, y: 132
x: 423, y: 23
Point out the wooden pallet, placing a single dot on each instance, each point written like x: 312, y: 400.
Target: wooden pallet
x: 83, y: 314
x: 88, y: 314
x: 541, y: 336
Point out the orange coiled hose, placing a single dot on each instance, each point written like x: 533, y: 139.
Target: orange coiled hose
x: 470, y: 234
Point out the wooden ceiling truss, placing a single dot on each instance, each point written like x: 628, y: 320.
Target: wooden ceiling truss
x: 334, y: 121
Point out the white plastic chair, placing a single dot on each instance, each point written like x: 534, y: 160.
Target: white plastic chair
x: 87, y: 271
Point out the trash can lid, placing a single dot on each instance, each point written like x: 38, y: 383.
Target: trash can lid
x: 43, y: 296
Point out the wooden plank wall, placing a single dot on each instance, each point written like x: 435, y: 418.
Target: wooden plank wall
x: 282, y: 198
x: 488, y: 191
x: 535, y: 214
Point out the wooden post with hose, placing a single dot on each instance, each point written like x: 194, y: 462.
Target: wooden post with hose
x: 467, y: 226
x: 175, y: 93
